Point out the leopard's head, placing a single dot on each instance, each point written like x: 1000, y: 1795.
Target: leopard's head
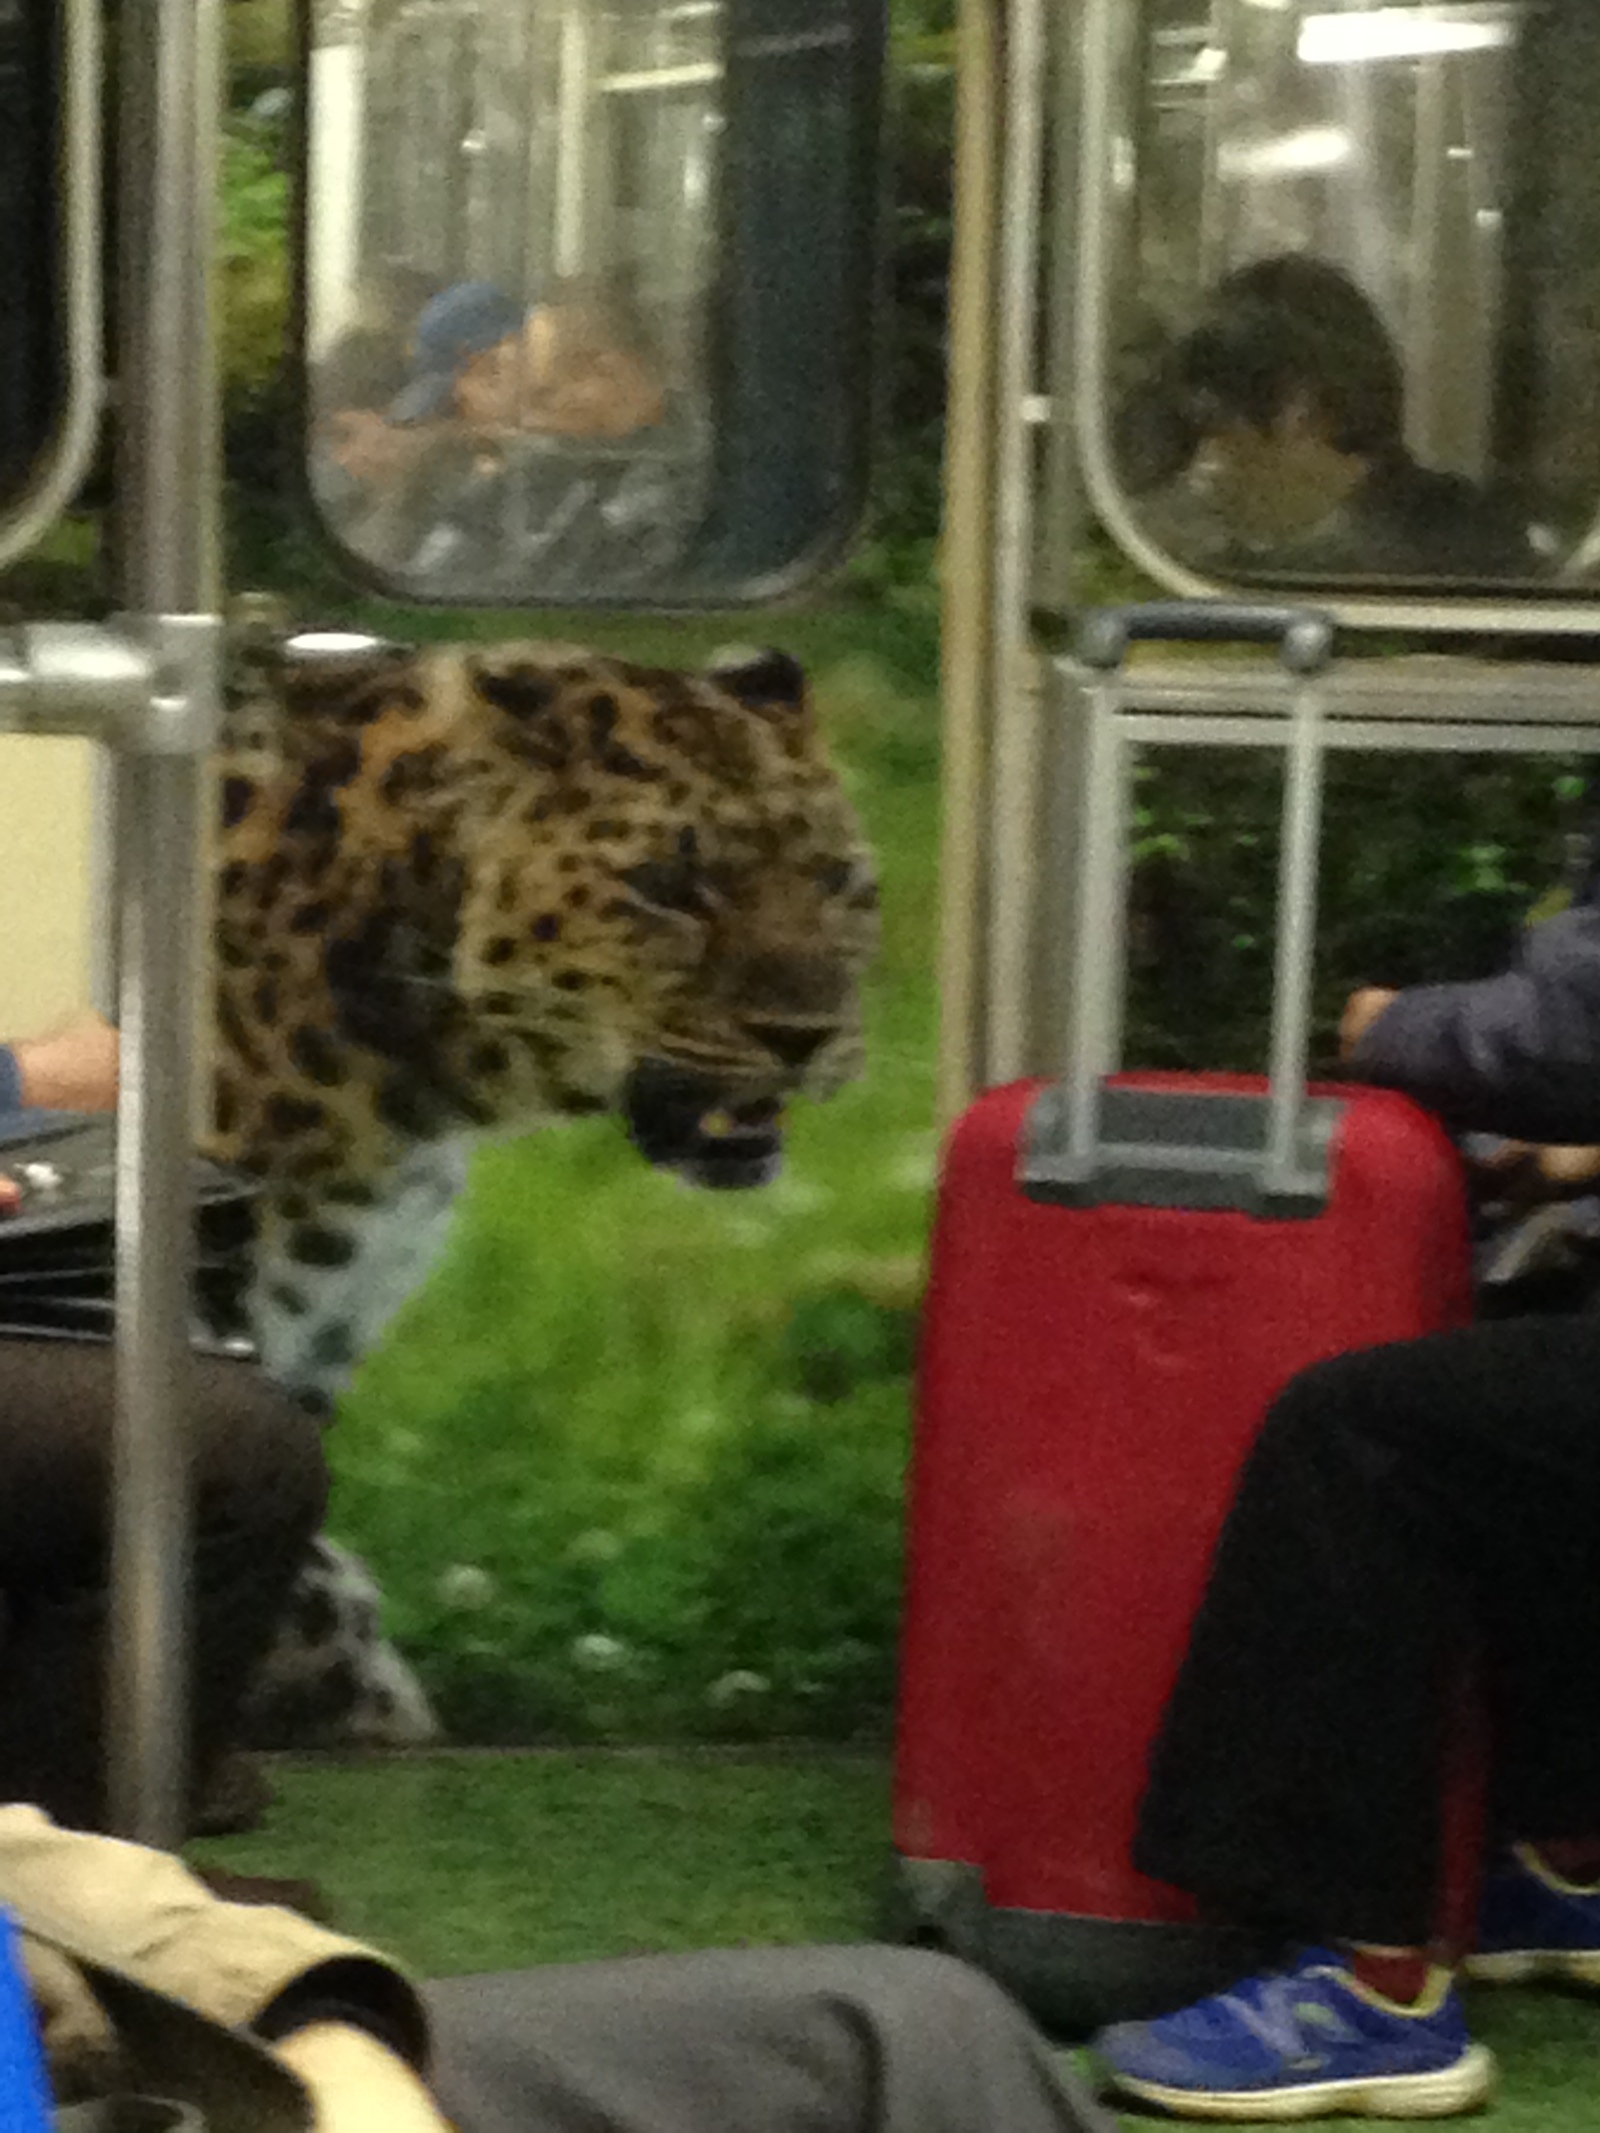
x: 514, y: 883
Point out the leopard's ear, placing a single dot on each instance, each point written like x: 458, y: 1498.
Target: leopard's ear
x: 342, y: 677
x: 530, y: 685
x: 768, y: 682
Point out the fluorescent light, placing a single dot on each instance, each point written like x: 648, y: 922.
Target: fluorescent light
x: 1287, y: 155
x: 332, y: 644
x: 1402, y: 33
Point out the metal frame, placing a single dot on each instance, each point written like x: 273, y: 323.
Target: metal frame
x: 1013, y: 769
x: 81, y: 267
x: 1429, y: 707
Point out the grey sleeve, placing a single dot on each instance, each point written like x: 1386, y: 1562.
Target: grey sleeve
x: 1517, y: 1054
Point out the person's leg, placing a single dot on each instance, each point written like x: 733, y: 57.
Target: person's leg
x: 261, y: 1486
x: 782, y: 2040
x: 1401, y: 1504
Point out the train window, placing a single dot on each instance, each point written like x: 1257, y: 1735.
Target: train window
x: 587, y: 293
x: 50, y: 178
x: 1347, y: 330
x: 31, y: 376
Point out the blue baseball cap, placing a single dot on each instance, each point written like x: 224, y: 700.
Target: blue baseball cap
x: 462, y: 321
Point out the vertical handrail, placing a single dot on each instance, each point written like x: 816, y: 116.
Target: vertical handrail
x: 966, y: 557
x: 1015, y: 715
x: 168, y: 492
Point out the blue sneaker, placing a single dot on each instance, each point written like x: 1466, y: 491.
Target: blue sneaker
x: 1532, y: 1924
x: 1310, y: 2042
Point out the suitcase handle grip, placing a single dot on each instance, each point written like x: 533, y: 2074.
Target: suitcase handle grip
x: 1303, y: 636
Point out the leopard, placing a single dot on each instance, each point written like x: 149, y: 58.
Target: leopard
x: 465, y: 892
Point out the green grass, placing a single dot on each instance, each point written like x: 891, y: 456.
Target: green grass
x: 465, y: 1863
x: 480, y: 1862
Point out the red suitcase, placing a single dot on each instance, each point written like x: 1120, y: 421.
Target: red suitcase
x: 1124, y: 1274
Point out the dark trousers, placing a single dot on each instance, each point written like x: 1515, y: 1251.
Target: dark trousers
x: 779, y: 2040
x: 261, y: 1486
x: 1404, y: 1508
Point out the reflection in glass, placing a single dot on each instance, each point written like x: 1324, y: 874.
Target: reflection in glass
x: 1355, y: 338
x: 510, y: 267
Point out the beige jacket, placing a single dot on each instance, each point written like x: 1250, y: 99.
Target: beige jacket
x: 144, y: 1980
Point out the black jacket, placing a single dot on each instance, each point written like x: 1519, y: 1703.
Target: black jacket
x: 1518, y: 1054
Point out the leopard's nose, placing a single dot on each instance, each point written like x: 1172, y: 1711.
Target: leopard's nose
x: 792, y: 1044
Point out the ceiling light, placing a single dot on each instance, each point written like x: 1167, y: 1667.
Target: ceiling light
x: 1287, y: 155
x: 1403, y: 33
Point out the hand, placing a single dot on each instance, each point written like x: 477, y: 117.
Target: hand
x: 10, y: 1197
x: 1569, y: 1169
x: 72, y: 1068
x: 357, y: 2085
x: 1361, y: 1010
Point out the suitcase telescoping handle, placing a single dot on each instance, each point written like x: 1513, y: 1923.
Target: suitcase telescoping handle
x: 1303, y: 636
x: 1304, y: 639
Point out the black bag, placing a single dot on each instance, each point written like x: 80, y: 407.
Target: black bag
x: 58, y: 1251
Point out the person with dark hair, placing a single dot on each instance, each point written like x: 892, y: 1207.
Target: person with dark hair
x: 1288, y: 393
x: 1403, y: 1508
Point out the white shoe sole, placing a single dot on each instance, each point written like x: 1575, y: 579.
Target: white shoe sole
x: 1465, y: 2086
x: 1529, y: 1966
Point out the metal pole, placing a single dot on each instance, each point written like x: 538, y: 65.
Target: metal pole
x: 1015, y: 709
x: 968, y: 560
x: 170, y: 61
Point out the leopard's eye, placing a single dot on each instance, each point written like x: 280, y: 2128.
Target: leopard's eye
x: 849, y: 881
x: 675, y: 885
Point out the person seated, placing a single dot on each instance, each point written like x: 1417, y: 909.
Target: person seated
x: 72, y: 1067
x: 261, y: 1489
x: 1284, y: 405
x: 1401, y: 1505
x: 254, y: 2016
x: 484, y: 365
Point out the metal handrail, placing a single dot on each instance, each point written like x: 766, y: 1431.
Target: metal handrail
x: 1015, y: 718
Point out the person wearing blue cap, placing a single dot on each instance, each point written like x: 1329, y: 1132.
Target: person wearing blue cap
x: 458, y: 324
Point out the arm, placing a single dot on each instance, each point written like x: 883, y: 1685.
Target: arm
x: 358, y: 2085
x: 72, y: 1068
x: 1517, y: 1054
x: 140, y: 1915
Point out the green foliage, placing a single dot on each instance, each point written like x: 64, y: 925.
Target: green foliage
x: 254, y: 262
x: 1430, y: 867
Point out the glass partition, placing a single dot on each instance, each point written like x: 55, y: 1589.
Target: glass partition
x: 546, y: 249
x: 1348, y: 332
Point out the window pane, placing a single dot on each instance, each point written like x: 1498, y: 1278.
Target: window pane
x: 31, y: 377
x: 1356, y: 338
x: 526, y: 351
